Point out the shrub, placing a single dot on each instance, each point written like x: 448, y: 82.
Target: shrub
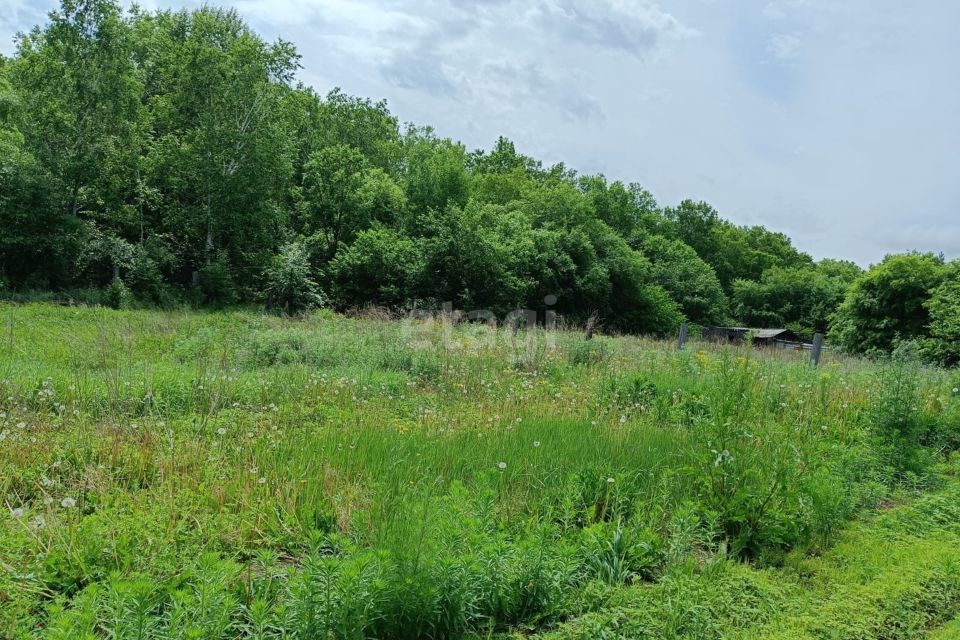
x: 289, y: 286
x: 751, y: 470
x: 620, y: 554
x: 116, y: 295
x: 216, y: 282
x: 382, y: 266
x: 895, y: 418
x: 943, y: 346
x: 888, y: 303
x: 143, y: 276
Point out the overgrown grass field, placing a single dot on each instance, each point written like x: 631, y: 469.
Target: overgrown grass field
x: 234, y: 475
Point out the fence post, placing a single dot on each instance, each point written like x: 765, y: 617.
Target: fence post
x: 683, y: 336
x: 817, y: 348
x: 591, y: 323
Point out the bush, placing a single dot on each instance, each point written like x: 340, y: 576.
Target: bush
x: 144, y: 278
x: 943, y: 346
x: 753, y: 472
x: 381, y: 267
x: 289, y: 287
x: 116, y: 295
x: 216, y: 282
x: 895, y: 418
x: 889, y: 303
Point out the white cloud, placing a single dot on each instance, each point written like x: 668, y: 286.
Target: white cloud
x: 784, y: 46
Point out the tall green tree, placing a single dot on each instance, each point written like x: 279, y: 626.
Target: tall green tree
x: 332, y: 179
x: 38, y: 240
x: 943, y: 345
x: 83, y: 118
x: 435, y: 171
x: 689, y: 280
x: 223, y: 153
x: 889, y: 303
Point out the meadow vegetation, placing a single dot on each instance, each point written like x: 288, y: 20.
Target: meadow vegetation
x: 223, y: 475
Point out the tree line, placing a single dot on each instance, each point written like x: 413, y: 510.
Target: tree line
x: 171, y: 157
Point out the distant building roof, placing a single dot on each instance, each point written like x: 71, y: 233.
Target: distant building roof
x: 760, y: 334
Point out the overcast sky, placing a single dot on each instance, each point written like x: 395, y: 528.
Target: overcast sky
x: 836, y: 122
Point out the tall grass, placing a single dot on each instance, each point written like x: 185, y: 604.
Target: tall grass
x: 240, y: 475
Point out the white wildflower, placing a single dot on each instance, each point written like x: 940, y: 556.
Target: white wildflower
x: 502, y: 466
x: 68, y: 503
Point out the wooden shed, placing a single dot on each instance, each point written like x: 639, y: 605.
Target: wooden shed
x: 782, y: 338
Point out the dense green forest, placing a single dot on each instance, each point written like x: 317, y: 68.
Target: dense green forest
x: 171, y: 157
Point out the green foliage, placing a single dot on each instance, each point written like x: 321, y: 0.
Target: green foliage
x: 801, y: 298
x: 216, y: 282
x: 889, y: 303
x: 752, y: 467
x: 289, y: 286
x: 895, y: 416
x: 688, y: 279
x: 39, y: 243
x: 382, y: 267
x: 144, y: 273
x: 467, y: 260
x: 117, y: 295
x: 332, y: 179
x: 436, y: 174
x: 943, y: 345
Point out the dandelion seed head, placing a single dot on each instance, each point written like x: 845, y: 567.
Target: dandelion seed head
x: 68, y: 503
x: 17, y: 513
x: 221, y: 431
x: 502, y: 466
